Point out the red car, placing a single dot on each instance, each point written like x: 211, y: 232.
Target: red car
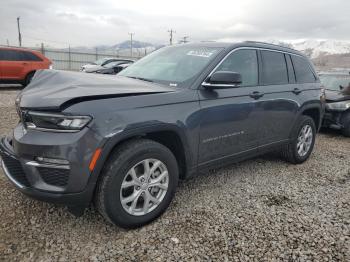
x: 18, y: 65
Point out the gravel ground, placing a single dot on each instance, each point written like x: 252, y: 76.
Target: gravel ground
x: 259, y: 210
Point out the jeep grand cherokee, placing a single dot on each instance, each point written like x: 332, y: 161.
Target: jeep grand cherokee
x: 124, y: 142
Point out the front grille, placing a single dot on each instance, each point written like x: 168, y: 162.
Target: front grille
x: 54, y: 176
x: 15, y: 169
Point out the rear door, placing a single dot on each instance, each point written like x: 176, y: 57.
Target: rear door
x: 279, y: 104
x: 228, y: 126
x: 13, y: 65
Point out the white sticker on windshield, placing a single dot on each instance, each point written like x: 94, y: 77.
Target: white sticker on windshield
x: 199, y: 53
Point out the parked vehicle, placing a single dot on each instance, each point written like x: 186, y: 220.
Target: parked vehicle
x: 18, y: 65
x: 124, y: 142
x: 337, y: 114
x: 111, y: 68
x: 100, y: 63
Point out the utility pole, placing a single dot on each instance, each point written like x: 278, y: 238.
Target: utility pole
x: 131, y: 35
x: 184, y: 39
x: 19, y: 32
x: 171, y: 32
x: 8, y: 43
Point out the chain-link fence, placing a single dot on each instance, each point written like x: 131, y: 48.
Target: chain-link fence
x: 67, y: 59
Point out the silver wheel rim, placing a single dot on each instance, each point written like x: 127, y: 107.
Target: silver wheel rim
x: 304, y: 140
x: 144, y: 187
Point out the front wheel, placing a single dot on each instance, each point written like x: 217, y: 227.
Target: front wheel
x: 137, y: 183
x: 302, y: 142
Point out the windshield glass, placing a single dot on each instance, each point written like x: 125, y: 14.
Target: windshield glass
x: 173, y: 66
x: 115, y: 63
x: 100, y: 61
x: 333, y: 82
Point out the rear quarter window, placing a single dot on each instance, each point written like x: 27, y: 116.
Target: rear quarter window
x: 303, y: 72
x: 274, y: 68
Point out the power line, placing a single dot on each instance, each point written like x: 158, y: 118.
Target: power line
x: 171, y: 32
x: 131, y: 35
x: 184, y: 39
x: 19, y: 32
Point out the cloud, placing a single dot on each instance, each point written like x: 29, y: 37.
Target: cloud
x: 108, y: 22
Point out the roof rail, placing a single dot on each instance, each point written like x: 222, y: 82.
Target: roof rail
x: 264, y: 43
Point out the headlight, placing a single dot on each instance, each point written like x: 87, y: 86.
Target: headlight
x: 55, y: 122
x: 339, y: 106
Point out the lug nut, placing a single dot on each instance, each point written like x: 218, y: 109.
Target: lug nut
x: 138, y: 188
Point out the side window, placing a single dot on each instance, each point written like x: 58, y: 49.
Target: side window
x: 303, y: 71
x: 11, y: 55
x: 244, y: 62
x: 2, y: 54
x: 274, y: 68
x: 291, y: 75
x: 28, y: 56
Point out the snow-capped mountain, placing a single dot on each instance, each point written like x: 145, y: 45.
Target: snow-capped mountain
x: 317, y: 48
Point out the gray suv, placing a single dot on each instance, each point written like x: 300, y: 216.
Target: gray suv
x: 123, y: 142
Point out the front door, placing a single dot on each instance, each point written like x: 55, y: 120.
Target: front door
x: 229, y: 116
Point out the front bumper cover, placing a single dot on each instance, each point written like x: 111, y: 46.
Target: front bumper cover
x: 18, y: 175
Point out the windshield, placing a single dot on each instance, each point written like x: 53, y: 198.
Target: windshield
x: 174, y: 66
x: 333, y: 82
x: 115, y: 63
x: 101, y: 61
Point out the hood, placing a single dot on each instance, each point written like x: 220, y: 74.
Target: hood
x: 56, y: 90
x: 337, y: 96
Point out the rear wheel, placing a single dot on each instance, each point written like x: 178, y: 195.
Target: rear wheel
x: 28, y: 79
x: 302, y: 142
x: 137, y: 184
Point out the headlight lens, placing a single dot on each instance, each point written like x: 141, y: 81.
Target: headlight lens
x: 339, y: 106
x: 55, y: 122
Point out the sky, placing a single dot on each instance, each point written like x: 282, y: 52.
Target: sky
x: 108, y: 22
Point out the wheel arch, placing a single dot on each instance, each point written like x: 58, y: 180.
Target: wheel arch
x: 315, y: 111
x: 168, y: 135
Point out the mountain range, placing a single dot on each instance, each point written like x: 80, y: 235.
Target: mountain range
x: 324, y: 53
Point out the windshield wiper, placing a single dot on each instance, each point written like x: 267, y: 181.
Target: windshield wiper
x: 141, y: 78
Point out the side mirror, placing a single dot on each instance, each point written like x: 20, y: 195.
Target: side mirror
x: 223, y: 79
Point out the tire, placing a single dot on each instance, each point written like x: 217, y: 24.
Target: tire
x: 109, y: 193
x: 346, y: 125
x: 290, y: 153
x: 28, y: 79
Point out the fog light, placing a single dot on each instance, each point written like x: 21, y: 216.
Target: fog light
x: 52, y: 160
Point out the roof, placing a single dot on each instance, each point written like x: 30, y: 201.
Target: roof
x: 245, y: 44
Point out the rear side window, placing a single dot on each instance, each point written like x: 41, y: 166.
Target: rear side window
x: 274, y: 68
x: 28, y: 56
x: 244, y: 62
x: 302, y: 70
x: 10, y: 55
x: 291, y: 75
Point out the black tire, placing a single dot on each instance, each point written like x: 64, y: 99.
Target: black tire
x: 122, y: 159
x: 346, y: 125
x: 290, y: 152
x: 28, y: 79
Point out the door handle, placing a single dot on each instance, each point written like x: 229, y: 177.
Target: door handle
x: 297, y: 91
x: 256, y: 94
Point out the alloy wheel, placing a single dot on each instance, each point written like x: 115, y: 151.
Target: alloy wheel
x: 305, y: 139
x: 144, y: 187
